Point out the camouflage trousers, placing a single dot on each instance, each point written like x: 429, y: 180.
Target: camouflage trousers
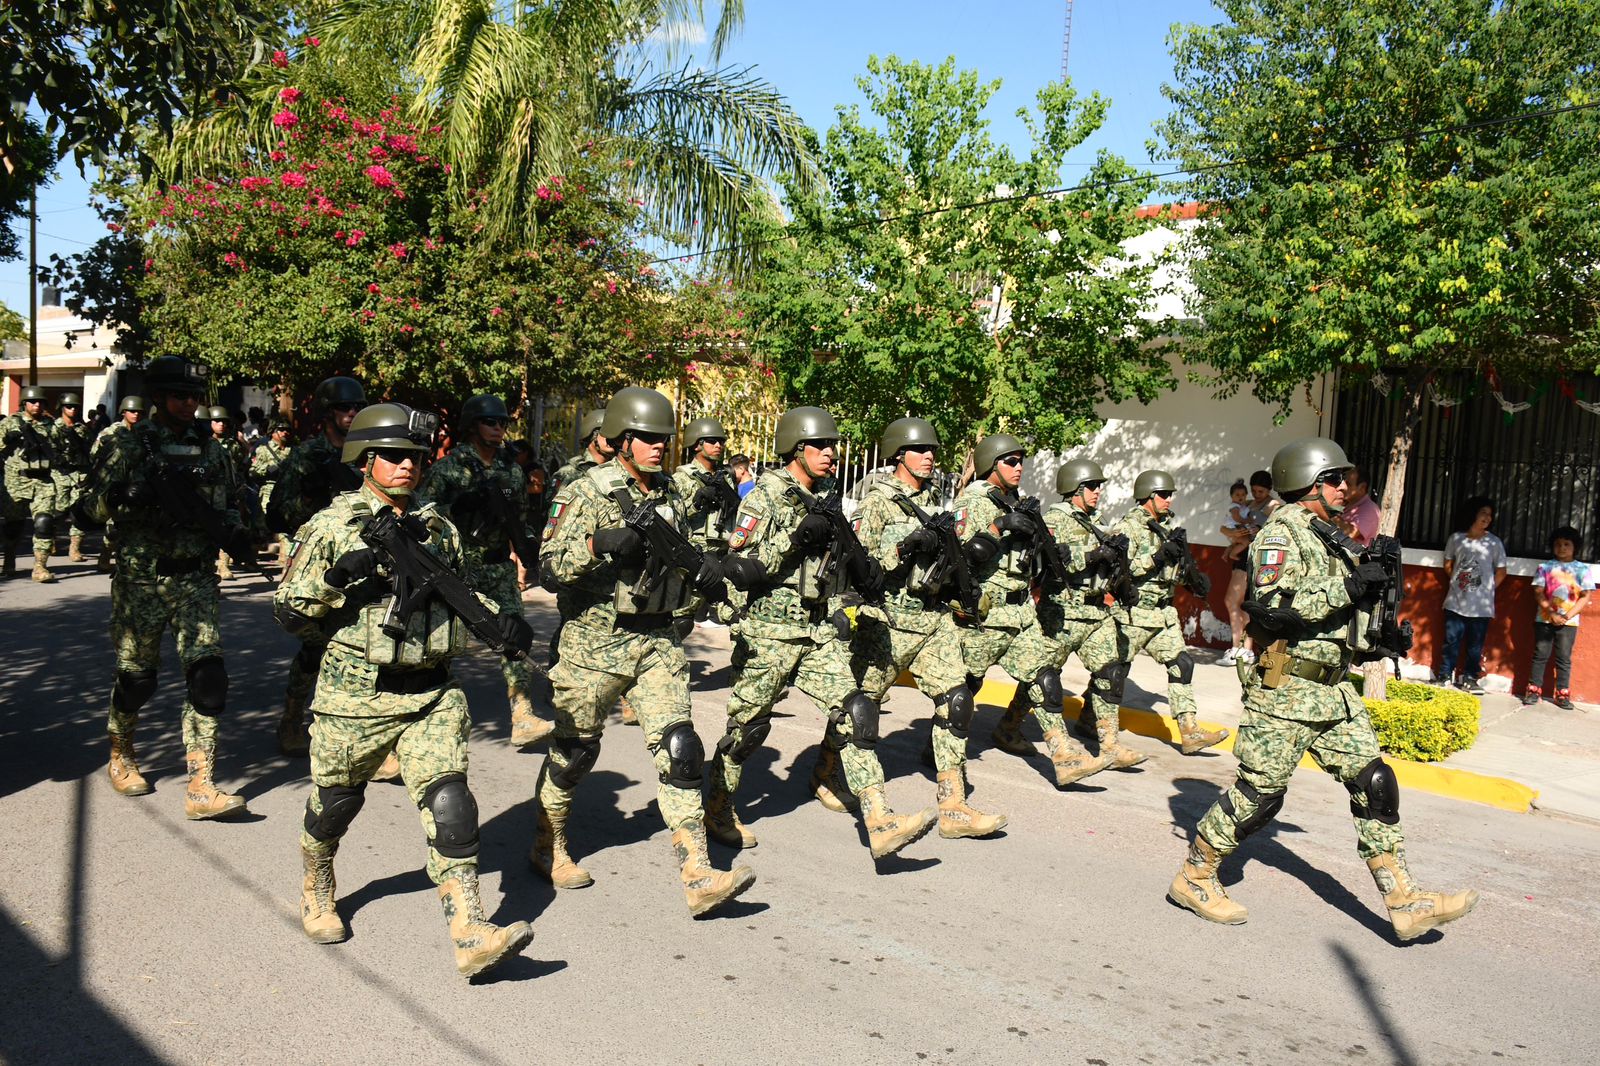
x: 427, y: 733
x: 69, y: 489
x: 595, y: 666
x: 1269, y: 748
x: 1022, y: 653
x: 1118, y: 642
x: 1064, y: 636
x: 498, y: 581
x: 816, y: 660
x: 303, y: 669
x: 933, y: 653
x: 41, y: 501
x: 141, y: 610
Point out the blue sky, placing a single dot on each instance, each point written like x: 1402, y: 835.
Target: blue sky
x: 814, y: 51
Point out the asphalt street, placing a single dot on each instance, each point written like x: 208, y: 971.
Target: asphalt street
x: 133, y: 936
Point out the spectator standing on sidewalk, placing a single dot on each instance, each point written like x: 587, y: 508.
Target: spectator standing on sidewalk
x: 1360, y: 518
x: 744, y: 475
x: 1474, y: 566
x: 1561, y: 586
x: 1260, y: 507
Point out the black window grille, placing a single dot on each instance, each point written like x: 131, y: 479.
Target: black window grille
x: 1541, y: 466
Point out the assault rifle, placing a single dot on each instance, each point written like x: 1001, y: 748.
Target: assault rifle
x: 727, y: 499
x: 25, y: 439
x: 667, y: 549
x: 400, y: 542
x: 951, y: 567
x: 1190, y: 576
x: 1050, y: 570
x: 1116, y: 570
x: 846, y: 546
x: 1389, y: 637
x: 177, y: 491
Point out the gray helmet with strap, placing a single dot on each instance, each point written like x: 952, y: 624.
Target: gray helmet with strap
x: 800, y: 424
x: 131, y: 403
x: 906, y: 433
x: 483, y: 406
x: 33, y: 394
x: 389, y: 425
x: 590, y: 424
x: 638, y: 410
x: 219, y: 414
x: 336, y: 392
x: 71, y: 399
x: 992, y: 449
x: 1298, y: 463
x: 701, y: 428
x: 1151, y: 482
x: 1073, y: 473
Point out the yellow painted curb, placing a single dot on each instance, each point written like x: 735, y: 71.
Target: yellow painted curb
x: 1500, y: 792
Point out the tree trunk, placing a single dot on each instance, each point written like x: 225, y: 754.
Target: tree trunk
x: 1375, y: 674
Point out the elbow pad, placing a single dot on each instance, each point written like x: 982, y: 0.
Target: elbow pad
x: 744, y: 572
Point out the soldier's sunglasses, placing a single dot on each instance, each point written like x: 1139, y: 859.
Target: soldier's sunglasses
x: 398, y: 455
x: 1165, y: 494
x: 1010, y: 460
x: 648, y: 439
x: 1090, y: 486
x: 1331, y: 477
x: 498, y: 423
x: 345, y: 408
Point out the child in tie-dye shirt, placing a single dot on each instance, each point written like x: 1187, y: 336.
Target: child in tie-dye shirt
x: 1561, y: 587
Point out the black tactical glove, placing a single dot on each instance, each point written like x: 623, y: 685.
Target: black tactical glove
x: 1368, y: 577
x: 867, y: 577
x: 517, y: 634
x: 1014, y: 522
x: 1396, y: 640
x: 352, y: 566
x: 1101, y: 556
x: 981, y: 548
x: 619, y: 542
x: 709, y: 583
x: 813, y: 532
x: 920, y: 541
x: 1171, y: 550
x: 14, y: 438
x: 1200, y: 584
x: 704, y: 499
x: 132, y: 494
x: 240, y: 546
x: 745, y: 572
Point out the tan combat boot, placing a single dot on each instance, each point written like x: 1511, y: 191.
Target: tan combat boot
x: 75, y: 548
x: 41, y: 569
x: 1071, y: 762
x: 527, y: 728
x: 888, y: 832
x: 124, y: 768
x: 318, y: 915
x: 292, y: 738
x: 549, y: 857
x: 1195, y: 739
x: 1412, y: 911
x: 479, y: 943
x: 1121, y: 755
x: 203, y: 799
x: 1087, y: 725
x: 224, y: 571
x: 629, y: 715
x: 1007, y: 735
x: 1197, y: 888
x: 956, y: 818
x: 705, y: 887
x: 828, y: 783
x: 390, y: 770
x: 722, y: 820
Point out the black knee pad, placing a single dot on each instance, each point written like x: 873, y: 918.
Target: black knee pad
x: 959, y: 709
x: 581, y: 754
x: 455, y: 817
x: 686, y: 756
x: 340, y: 805
x: 44, y: 525
x: 208, y: 685
x: 1046, y: 687
x: 1377, y: 783
x: 862, y: 710
x: 309, y: 658
x: 1109, y: 680
x: 1181, y: 669
x: 132, y: 690
x: 743, y: 738
x: 1267, y: 807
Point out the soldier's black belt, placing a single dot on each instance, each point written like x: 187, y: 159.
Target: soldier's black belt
x: 501, y: 554
x: 644, y: 623
x: 392, y: 679
x: 177, y: 566
x: 1321, y: 673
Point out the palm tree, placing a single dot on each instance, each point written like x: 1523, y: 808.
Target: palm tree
x: 522, y: 89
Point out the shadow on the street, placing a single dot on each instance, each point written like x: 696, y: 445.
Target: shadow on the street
x: 1382, y: 1021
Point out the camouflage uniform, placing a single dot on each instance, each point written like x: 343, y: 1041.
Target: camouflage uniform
x: 571, y: 471
x: 30, y: 476
x: 705, y: 528
x: 266, y: 467
x: 72, y: 469
x: 103, y: 444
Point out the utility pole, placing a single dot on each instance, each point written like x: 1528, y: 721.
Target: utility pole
x: 33, y: 287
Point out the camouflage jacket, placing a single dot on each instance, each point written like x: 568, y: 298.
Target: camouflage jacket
x: 148, y: 535
x: 266, y: 465
x: 459, y: 482
x: 307, y: 480
x: 1005, y: 580
x: 882, y: 522
x: 106, y: 440
x: 570, y: 471
x: 237, y: 454
x: 1154, y: 580
x: 29, y: 462
x: 1083, y: 600
x: 352, y: 617
x: 72, y: 447
x: 706, y: 529
x: 596, y: 590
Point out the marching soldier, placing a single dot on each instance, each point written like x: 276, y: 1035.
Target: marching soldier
x: 914, y: 629
x: 223, y: 432
x: 377, y: 695
x: 1156, y: 546
x: 266, y: 466
x: 170, y: 489
x: 795, y: 630
x: 129, y: 413
x: 618, y: 640
x: 307, y: 482
x: 708, y: 491
x: 1066, y: 618
x: 30, y: 451
x: 72, y: 466
x: 593, y: 449
x: 1311, y: 597
x: 482, y: 489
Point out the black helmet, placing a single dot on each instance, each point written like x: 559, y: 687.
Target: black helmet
x: 992, y: 449
x: 1151, y: 482
x: 1298, y: 463
x: 1073, y: 473
x: 33, y: 394
x: 802, y: 424
x: 904, y: 433
x: 174, y: 373
x: 131, y: 403
x: 483, y: 406
x: 335, y: 392
x: 220, y: 414
x: 590, y: 424
x: 701, y: 428
x: 71, y: 399
x: 638, y: 409
x: 276, y: 423
x: 389, y: 425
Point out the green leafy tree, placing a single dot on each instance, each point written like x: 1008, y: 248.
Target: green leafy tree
x: 888, y: 296
x: 28, y: 171
x: 12, y: 327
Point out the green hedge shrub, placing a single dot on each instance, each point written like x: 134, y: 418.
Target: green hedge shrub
x: 1424, y: 723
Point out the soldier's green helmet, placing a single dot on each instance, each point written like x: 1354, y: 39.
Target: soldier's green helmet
x: 131, y: 403
x: 220, y: 414
x: 590, y: 424
x: 638, y: 410
x: 991, y: 450
x: 71, y: 399
x: 906, y: 433
x: 174, y: 373
x: 801, y: 424
x: 1151, y: 482
x: 1298, y: 463
x: 336, y: 392
x: 33, y: 394
x: 701, y: 428
x: 389, y: 425
x: 1073, y: 473
x: 480, y: 407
